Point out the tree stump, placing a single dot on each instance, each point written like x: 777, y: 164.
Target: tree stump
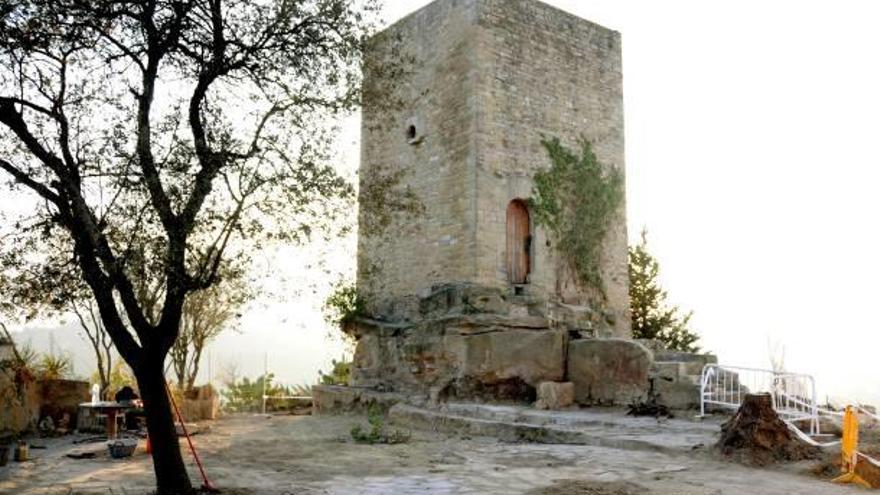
x: 756, y: 435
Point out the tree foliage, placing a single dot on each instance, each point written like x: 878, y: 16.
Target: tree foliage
x: 161, y: 138
x: 120, y: 376
x: 652, y: 317
x: 19, y: 370
x: 344, y: 304
x: 577, y: 199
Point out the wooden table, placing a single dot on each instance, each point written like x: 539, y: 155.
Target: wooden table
x: 111, y: 409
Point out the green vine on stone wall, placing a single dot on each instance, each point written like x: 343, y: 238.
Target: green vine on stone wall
x: 577, y: 199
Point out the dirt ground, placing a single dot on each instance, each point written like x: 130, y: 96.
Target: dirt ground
x: 314, y: 455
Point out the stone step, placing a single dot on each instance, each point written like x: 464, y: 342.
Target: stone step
x: 665, y: 355
x: 674, y: 369
x: 604, y: 428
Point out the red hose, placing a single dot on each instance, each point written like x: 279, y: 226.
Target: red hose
x: 207, y: 483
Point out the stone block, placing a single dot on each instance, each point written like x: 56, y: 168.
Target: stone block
x: 533, y: 356
x: 666, y: 369
x: 678, y: 395
x: 608, y: 371
x: 555, y: 395
x: 683, y: 357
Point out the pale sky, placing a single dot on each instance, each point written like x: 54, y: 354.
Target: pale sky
x: 750, y: 133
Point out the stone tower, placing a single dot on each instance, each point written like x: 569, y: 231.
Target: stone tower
x: 468, y: 297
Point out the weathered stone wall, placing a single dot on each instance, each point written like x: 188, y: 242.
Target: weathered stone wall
x: 544, y: 72
x: 200, y: 404
x: 467, y: 342
x: 438, y: 99
x: 609, y: 371
x: 490, y: 78
x: 61, y: 398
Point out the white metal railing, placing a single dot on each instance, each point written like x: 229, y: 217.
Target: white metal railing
x: 793, y: 394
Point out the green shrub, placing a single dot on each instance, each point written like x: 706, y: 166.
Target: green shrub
x: 52, y: 367
x: 377, y: 432
x: 339, y: 375
x: 344, y: 305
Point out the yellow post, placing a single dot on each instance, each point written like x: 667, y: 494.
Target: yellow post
x: 849, y: 452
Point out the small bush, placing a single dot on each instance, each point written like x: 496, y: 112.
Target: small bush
x: 339, y: 375
x: 344, y: 305
x: 246, y: 395
x: 377, y: 433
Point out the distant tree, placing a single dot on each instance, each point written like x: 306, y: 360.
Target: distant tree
x: 205, y: 315
x: 120, y: 376
x: 652, y: 317
x: 95, y: 332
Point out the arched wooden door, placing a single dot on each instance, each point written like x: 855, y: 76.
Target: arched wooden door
x: 518, y: 242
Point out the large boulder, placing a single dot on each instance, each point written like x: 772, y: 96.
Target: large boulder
x: 609, y: 371
x: 532, y: 355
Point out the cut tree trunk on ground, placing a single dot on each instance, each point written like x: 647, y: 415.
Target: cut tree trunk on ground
x: 756, y: 435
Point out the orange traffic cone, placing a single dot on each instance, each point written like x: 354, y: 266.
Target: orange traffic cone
x: 149, y: 448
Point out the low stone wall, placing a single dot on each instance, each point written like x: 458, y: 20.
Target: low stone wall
x: 19, y: 397
x: 678, y: 377
x: 338, y: 399
x: 60, y: 400
x: 19, y: 410
x: 201, y: 403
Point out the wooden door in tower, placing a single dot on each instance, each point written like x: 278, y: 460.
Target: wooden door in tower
x: 518, y: 242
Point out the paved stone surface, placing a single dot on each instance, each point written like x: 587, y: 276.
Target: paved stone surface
x: 598, y: 427
x: 313, y: 455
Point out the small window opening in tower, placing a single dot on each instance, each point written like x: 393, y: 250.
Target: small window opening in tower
x: 411, y: 133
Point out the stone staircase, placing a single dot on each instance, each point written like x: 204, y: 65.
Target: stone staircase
x: 602, y: 427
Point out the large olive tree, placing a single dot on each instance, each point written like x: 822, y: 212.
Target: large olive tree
x: 160, y: 138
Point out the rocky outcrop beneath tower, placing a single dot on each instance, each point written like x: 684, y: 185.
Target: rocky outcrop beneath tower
x: 471, y: 342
